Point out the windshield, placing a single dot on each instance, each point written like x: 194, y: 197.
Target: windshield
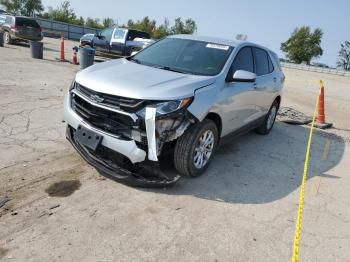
x: 185, y: 56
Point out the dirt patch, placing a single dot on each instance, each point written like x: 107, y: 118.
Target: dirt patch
x: 63, y: 188
x: 3, y: 252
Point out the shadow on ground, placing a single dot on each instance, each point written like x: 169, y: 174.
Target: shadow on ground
x: 260, y: 169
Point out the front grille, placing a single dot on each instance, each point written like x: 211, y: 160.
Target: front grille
x: 103, y: 119
x: 130, y: 105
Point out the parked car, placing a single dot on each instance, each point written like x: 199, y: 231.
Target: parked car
x: 179, y: 97
x: 117, y: 41
x: 20, y: 28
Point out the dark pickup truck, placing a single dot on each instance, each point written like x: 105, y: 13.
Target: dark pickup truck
x: 117, y: 41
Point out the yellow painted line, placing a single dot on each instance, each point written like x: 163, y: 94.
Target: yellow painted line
x: 295, y: 256
x: 326, y: 148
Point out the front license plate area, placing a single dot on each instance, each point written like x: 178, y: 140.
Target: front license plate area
x: 88, y: 138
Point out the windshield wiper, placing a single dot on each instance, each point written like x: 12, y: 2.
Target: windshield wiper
x: 172, y: 69
x: 135, y: 60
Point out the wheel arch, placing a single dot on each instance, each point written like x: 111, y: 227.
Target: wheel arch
x: 216, y: 119
x: 278, y: 100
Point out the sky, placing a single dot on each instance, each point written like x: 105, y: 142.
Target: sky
x: 268, y: 22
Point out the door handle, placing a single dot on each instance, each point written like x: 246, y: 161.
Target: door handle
x: 275, y: 79
x: 255, y: 85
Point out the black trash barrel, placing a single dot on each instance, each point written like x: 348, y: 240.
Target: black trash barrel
x: 87, y: 55
x: 1, y: 39
x: 36, y: 49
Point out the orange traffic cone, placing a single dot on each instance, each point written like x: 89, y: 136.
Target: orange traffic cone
x: 62, y: 48
x: 321, y: 118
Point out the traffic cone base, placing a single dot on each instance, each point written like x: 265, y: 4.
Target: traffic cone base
x: 75, y: 59
x: 321, y: 117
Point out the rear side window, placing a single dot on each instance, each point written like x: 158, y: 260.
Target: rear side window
x: 135, y: 34
x: 27, y: 22
x: 277, y: 61
x: 263, y: 62
x: 243, y: 60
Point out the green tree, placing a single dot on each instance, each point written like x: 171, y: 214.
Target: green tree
x: 30, y: 7
x: 302, y: 46
x: 163, y: 30
x: 108, y: 22
x: 344, y: 56
x: 145, y: 25
x: 63, y: 13
x: 180, y: 27
x: 23, y: 7
x: 93, y: 23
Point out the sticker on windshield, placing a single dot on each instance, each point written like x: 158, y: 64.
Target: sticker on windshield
x: 216, y: 46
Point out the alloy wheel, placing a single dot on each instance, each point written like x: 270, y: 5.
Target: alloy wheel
x: 204, y: 149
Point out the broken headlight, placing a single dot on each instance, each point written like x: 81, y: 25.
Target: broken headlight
x: 72, y: 85
x: 167, y: 107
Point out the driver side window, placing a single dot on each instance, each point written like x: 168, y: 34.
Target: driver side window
x: 107, y: 34
x: 243, y: 61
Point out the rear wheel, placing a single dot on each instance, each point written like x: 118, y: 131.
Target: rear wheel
x: 195, y: 149
x: 269, y: 121
x: 7, y: 38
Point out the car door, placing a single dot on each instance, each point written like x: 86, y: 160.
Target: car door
x: 118, y: 41
x: 237, y: 101
x: 266, y: 81
x: 102, y: 42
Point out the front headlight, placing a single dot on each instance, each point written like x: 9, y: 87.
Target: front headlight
x: 72, y: 85
x: 167, y: 107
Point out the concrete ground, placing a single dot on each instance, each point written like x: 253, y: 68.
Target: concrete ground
x: 243, y: 209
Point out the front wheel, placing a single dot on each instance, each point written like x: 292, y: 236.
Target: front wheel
x: 195, y: 149
x: 7, y: 37
x: 269, y: 121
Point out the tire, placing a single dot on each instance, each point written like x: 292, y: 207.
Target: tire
x: 7, y: 38
x: 188, y: 146
x: 269, y: 120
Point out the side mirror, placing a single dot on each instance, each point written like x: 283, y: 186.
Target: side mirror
x: 243, y: 76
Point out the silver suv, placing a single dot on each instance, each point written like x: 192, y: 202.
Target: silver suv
x: 176, y: 99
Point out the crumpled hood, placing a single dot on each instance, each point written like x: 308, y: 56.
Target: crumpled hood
x: 128, y: 79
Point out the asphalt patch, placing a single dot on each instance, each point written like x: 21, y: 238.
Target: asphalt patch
x: 63, y: 188
x: 292, y: 116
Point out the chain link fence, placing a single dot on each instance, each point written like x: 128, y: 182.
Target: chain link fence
x: 53, y: 28
x: 316, y: 69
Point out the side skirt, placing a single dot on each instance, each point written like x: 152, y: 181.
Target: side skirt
x: 241, y: 131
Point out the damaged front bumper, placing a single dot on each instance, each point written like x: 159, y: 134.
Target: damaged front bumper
x: 119, y: 157
x: 147, y: 174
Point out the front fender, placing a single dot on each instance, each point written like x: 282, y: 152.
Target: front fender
x: 204, y: 101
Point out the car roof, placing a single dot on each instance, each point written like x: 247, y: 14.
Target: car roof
x: 216, y: 40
